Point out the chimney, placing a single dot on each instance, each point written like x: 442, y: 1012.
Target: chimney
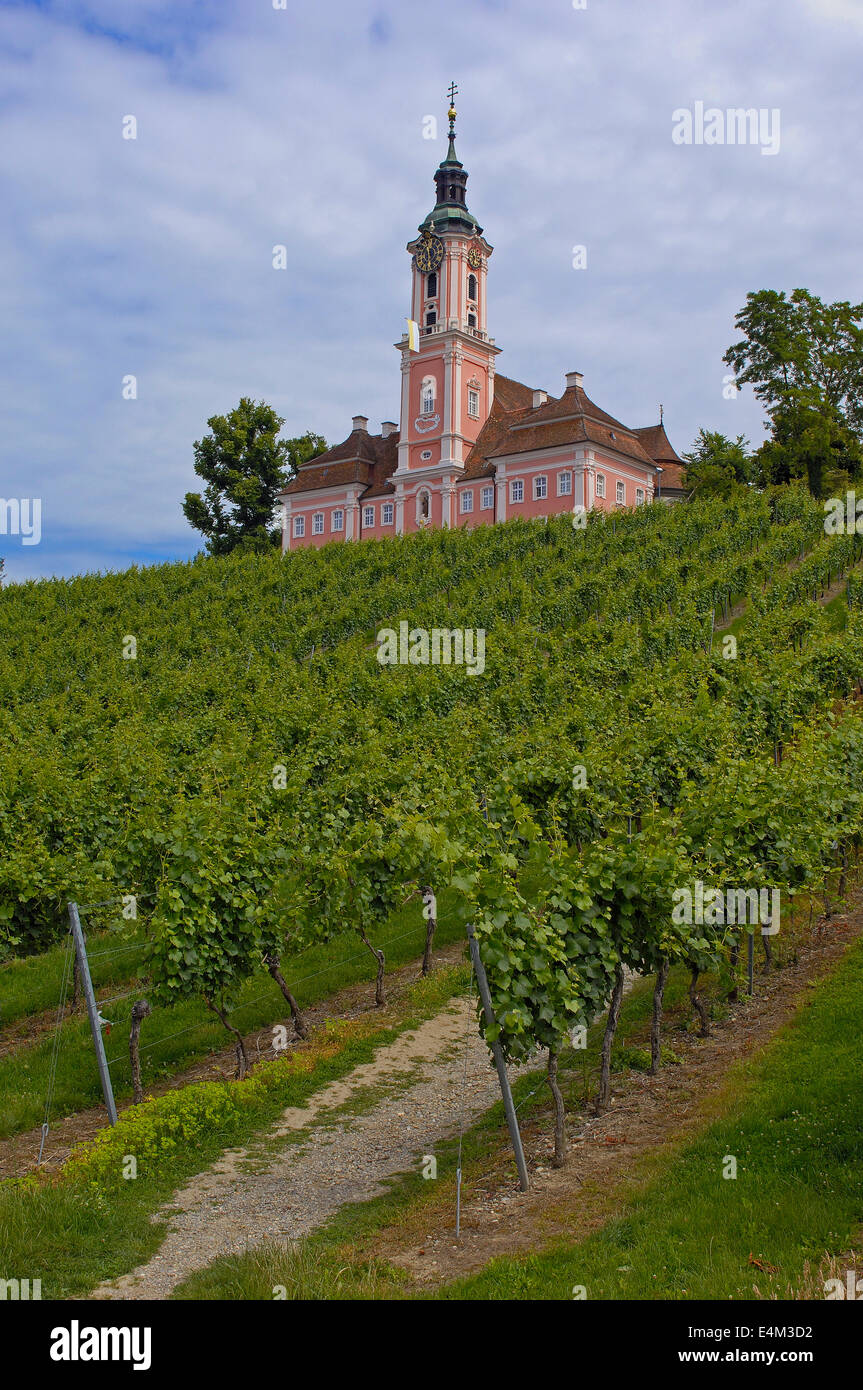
x: 361, y: 422
x: 539, y: 398
x: 387, y: 428
x: 574, y: 379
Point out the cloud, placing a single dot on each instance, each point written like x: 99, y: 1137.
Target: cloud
x: 303, y: 127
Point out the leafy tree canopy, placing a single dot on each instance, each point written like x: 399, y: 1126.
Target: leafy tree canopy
x: 716, y: 465
x: 245, y: 466
x: 804, y: 360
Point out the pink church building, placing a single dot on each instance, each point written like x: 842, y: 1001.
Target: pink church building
x: 471, y: 447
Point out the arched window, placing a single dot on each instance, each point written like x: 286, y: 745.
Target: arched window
x: 427, y: 396
x: 431, y: 287
x: 423, y: 506
x: 471, y: 287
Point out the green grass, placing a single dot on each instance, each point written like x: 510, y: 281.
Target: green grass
x: 793, y: 1122
x: 792, y: 1118
x: 32, y: 984
x: 90, y: 1224
x: 318, y: 1267
x: 179, y: 1036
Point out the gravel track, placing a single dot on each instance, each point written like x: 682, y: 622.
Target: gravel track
x: 342, y: 1147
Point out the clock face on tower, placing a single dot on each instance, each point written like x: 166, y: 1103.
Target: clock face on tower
x: 474, y: 258
x: 429, y: 253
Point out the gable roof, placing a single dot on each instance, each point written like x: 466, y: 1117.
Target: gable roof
x: 656, y: 442
x: 573, y: 418
x: 514, y: 426
x: 361, y: 458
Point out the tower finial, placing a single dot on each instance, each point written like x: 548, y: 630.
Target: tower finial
x: 453, y: 90
x: 660, y: 412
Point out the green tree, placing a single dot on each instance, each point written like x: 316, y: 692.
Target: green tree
x: 716, y: 465
x: 810, y: 442
x: 804, y: 360
x: 245, y: 466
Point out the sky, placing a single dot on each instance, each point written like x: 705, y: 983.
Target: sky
x: 264, y: 123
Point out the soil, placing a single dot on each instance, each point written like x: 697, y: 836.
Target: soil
x: 19, y: 1153
x: 387, y: 1116
x: 648, y: 1117
x: 379, y: 1121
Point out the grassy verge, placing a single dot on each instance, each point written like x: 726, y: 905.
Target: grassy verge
x: 678, y: 1229
x: 338, y: 1262
x: 31, y: 985
x: 792, y: 1121
x: 92, y: 1223
x: 172, y: 1038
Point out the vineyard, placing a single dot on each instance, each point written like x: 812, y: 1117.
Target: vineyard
x: 210, y: 759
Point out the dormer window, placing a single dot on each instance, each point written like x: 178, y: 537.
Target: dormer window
x: 471, y: 287
x: 431, y: 286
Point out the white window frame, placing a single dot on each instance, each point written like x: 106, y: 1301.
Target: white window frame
x: 299, y: 527
x: 473, y: 403
x: 639, y: 497
x: 387, y: 514
x: 516, y: 490
x: 486, y: 501
x: 368, y: 515
x: 467, y: 501
x: 337, y: 520
x: 620, y: 492
x: 600, y: 484
x: 540, y: 487
x: 427, y: 396
x: 564, y: 483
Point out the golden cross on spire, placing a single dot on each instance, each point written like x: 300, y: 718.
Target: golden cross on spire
x: 452, y: 111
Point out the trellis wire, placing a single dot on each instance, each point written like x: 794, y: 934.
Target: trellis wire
x: 55, y: 1048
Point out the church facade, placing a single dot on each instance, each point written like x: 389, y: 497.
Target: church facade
x: 471, y: 446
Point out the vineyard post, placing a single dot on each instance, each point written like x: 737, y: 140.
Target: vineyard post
x: 497, y: 1052
x: 92, y: 1011
x: 750, y: 959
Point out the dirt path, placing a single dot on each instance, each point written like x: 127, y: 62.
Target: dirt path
x: 373, y: 1124
x: 382, y: 1119
x: 19, y: 1153
x: 648, y: 1117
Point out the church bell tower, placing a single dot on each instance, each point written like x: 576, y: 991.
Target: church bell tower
x: 447, y: 360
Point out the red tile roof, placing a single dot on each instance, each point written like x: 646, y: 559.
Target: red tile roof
x: 671, y: 477
x: 362, y: 458
x: 514, y: 426
x: 657, y: 444
x: 572, y: 419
